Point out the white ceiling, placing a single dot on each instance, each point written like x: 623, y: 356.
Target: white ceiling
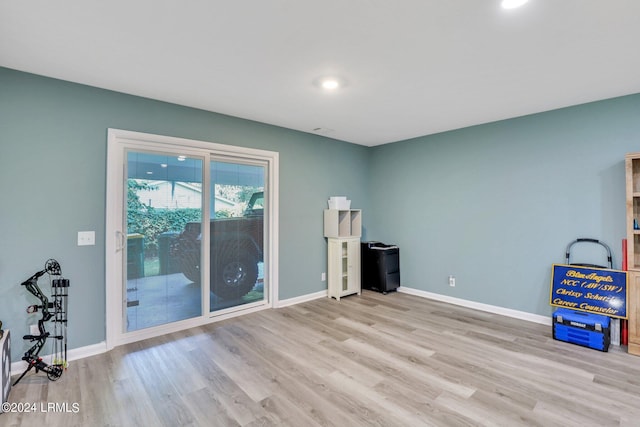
x: 411, y: 67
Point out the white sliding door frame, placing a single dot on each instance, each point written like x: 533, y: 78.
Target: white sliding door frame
x: 119, y: 141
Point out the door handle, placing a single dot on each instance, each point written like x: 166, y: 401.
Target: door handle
x: 119, y: 241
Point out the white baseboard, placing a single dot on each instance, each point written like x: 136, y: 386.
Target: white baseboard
x: 74, y: 354
x: 301, y: 299
x: 522, y: 315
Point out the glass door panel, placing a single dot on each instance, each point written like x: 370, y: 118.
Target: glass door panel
x: 236, y: 255
x: 164, y: 202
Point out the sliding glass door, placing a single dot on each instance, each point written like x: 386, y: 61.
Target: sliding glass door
x: 191, y: 233
x: 237, y: 231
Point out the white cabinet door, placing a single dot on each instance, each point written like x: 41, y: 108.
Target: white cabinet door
x: 353, y: 266
x: 344, y: 267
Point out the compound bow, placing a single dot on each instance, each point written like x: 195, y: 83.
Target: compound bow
x: 56, y: 311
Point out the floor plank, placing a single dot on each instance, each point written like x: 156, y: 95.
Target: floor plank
x: 369, y: 360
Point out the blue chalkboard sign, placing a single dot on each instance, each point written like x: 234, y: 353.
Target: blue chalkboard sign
x: 594, y: 290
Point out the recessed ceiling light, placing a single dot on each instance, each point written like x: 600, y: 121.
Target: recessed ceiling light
x: 329, y: 83
x: 182, y: 158
x: 512, y: 4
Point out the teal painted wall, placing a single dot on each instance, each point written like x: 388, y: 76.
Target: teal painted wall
x: 495, y: 205
x: 53, y: 142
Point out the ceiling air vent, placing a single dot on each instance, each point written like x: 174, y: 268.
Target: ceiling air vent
x: 322, y: 131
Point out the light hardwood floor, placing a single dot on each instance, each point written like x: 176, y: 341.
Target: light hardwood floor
x: 384, y: 360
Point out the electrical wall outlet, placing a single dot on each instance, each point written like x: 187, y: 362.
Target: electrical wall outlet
x: 33, y: 330
x: 452, y: 281
x: 323, y: 277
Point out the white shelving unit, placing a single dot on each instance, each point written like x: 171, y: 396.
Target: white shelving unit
x: 342, y: 223
x: 343, y: 229
x: 344, y: 267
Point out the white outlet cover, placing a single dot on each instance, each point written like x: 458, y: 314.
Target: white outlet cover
x: 86, y: 238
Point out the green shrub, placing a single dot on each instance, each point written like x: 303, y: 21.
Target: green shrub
x: 151, y: 222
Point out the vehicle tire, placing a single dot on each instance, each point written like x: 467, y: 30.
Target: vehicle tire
x: 189, y: 255
x: 191, y: 271
x: 236, y: 274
